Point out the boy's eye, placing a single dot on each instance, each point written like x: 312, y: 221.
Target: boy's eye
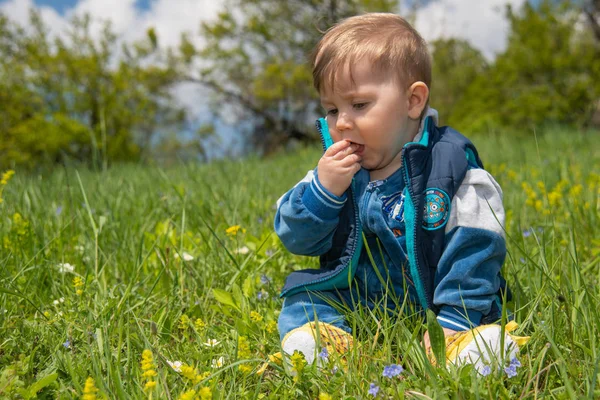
x: 360, y: 106
x: 333, y: 111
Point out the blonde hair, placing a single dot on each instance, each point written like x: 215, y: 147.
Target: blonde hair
x: 388, y: 41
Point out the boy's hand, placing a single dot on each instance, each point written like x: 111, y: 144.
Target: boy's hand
x: 338, y: 166
x: 427, y: 343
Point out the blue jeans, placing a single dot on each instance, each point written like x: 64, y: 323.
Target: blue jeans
x: 367, y: 290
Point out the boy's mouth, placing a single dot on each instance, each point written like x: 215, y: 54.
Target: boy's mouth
x: 360, y: 150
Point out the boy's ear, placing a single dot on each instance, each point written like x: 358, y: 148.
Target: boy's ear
x: 418, y: 93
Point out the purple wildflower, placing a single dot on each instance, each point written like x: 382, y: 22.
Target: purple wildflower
x: 511, y: 371
x: 392, y: 370
x: 526, y: 233
x: 485, y: 371
x: 270, y: 252
x: 522, y: 260
x: 373, y: 389
x: 264, y: 279
x: 324, y: 353
x: 58, y: 210
x: 261, y: 295
x: 334, y: 370
x: 515, y: 362
x: 67, y: 344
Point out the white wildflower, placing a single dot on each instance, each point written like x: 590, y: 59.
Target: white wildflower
x: 65, y: 267
x: 176, y: 365
x: 242, y: 250
x: 211, y: 343
x: 185, y: 256
x: 218, y: 363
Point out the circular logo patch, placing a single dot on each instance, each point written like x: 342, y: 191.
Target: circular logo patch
x: 436, y: 209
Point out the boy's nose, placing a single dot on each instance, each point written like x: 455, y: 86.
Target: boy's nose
x: 343, y: 123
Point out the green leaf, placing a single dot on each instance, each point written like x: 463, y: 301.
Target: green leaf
x: 436, y: 338
x: 42, y: 383
x: 225, y: 298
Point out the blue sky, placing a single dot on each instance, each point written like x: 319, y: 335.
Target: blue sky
x: 62, y: 5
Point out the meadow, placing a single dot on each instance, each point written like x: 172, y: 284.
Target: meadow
x: 163, y: 283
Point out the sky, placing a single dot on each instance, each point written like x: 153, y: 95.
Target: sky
x: 481, y: 22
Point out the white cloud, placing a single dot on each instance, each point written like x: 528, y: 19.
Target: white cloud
x: 18, y: 11
x: 482, y: 23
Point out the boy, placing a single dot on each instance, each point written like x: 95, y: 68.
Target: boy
x: 391, y: 179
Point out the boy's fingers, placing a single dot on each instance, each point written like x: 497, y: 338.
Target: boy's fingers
x: 337, y: 147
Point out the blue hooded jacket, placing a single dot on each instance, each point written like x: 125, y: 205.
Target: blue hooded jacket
x: 455, y: 272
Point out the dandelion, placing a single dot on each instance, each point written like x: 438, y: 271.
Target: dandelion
x: 65, y: 267
x: 89, y: 389
x: 211, y: 343
x: 217, y: 363
x: 486, y: 370
x: 233, y: 230
x: 373, y: 389
x: 242, y: 250
x: 255, y: 316
x: 511, y: 371
x: 324, y: 396
x: 324, y: 354
x: 392, y: 370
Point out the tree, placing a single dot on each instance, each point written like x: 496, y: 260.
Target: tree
x: 80, y: 97
x: 456, y: 64
x: 547, y: 74
x: 255, y: 62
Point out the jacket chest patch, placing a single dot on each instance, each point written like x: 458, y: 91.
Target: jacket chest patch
x: 436, y: 210
x: 393, y: 206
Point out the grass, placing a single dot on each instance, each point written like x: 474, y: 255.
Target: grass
x: 130, y: 233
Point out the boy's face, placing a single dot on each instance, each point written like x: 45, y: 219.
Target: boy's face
x: 372, y: 110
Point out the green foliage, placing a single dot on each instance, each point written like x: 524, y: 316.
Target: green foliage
x: 256, y: 61
x: 80, y: 98
x: 88, y: 282
x: 456, y: 64
x: 547, y: 74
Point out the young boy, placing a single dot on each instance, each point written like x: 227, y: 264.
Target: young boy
x: 392, y: 181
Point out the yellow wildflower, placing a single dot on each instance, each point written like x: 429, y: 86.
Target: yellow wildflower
x: 148, y: 366
x: 324, y: 396
x: 245, y: 368
x: 77, y: 282
x: 298, y: 361
x: 243, y: 347
x: 150, y: 385
x: 512, y: 175
x: 189, y: 372
x: 199, y: 324
x: 233, y: 230
x: 256, y: 317
x: 184, y: 322
x: 576, y: 190
x: 90, y: 389
x: 6, y: 177
x: 189, y: 395
x: 205, y: 393
x: 271, y: 327
x: 554, y: 198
